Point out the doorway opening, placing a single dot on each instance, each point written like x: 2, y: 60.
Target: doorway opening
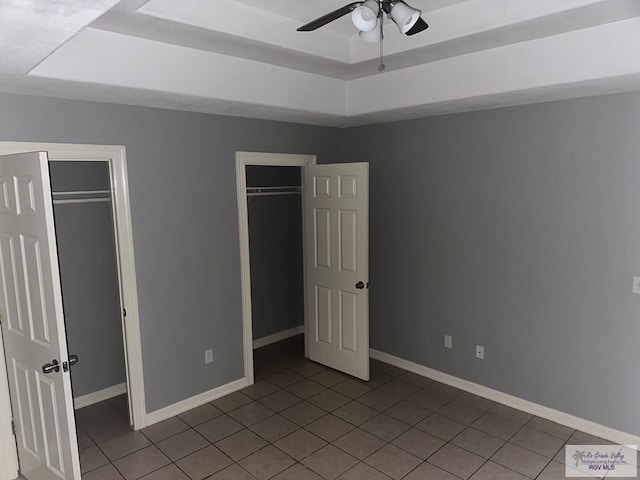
x: 110, y: 195
x: 275, y: 243
x: 277, y: 177
x: 91, y: 292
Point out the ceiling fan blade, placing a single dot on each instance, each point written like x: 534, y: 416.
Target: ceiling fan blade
x: 419, y: 26
x: 329, y: 17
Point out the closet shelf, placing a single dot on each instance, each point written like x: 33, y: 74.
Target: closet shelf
x: 81, y: 196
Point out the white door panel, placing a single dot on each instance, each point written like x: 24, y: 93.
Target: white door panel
x: 336, y: 209
x: 32, y: 321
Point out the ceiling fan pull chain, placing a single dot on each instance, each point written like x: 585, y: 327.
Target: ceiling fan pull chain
x: 382, y: 66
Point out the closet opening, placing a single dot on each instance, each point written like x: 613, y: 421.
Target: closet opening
x: 274, y: 207
x: 270, y: 207
x: 91, y: 291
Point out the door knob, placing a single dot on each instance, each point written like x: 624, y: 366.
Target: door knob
x: 54, y: 366
x: 73, y: 359
x: 360, y: 285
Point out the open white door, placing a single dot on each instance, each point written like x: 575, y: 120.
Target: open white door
x: 32, y: 322
x: 336, y: 241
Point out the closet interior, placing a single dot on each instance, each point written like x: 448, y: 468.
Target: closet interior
x: 274, y: 205
x: 83, y: 214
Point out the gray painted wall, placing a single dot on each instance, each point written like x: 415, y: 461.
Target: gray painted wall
x: 89, y: 277
x: 70, y: 176
x: 514, y: 228
x: 517, y: 229
x: 275, y: 240
x: 182, y: 184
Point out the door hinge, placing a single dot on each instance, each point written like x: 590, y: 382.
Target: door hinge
x: 13, y: 427
x: 124, y: 312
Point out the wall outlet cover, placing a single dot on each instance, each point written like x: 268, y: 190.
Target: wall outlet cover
x: 480, y: 352
x: 636, y: 285
x: 208, y: 356
x: 448, y: 341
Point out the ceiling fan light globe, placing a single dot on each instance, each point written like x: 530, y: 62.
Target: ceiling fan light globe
x: 372, y: 36
x: 404, y: 16
x: 365, y: 16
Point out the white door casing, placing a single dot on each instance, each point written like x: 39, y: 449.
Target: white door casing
x: 336, y: 240
x: 33, y: 322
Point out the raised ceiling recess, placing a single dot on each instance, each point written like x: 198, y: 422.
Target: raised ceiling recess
x: 245, y: 57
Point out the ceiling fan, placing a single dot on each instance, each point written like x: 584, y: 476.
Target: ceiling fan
x: 368, y: 17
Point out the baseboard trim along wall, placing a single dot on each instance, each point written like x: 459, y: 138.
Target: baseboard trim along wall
x: 557, y: 416
x: 276, y: 337
x: 195, y: 401
x: 99, y: 396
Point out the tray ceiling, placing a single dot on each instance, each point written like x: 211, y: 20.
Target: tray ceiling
x: 244, y: 57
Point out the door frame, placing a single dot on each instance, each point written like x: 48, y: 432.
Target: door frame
x: 116, y: 158
x: 267, y: 160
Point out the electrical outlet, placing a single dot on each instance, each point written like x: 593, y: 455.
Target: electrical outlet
x: 480, y: 352
x: 448, y: 341
x: 208, y: 356
x: 636, y: 285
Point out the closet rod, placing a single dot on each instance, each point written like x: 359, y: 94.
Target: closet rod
x: 63, y: 201
x: 268, y: 191
x: 269, y: 194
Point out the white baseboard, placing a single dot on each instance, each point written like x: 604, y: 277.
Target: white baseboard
x: 557, y: 416
x: 276, y: 337
x: 195, y: 401
x: 99, y: 396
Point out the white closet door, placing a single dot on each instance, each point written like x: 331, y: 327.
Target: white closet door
x: 336, y: 241
x: 32, y: 322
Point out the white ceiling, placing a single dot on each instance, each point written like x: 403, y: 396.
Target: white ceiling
x: 245, y: 58
x: 30, y: 29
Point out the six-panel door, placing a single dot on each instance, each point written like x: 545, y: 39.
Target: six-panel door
x: 336, y: 201
x: 32, y: 321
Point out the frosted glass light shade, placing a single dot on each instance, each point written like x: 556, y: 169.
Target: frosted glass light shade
x: 372, y: 36
x: 364, y: 17
x: 404, y: 16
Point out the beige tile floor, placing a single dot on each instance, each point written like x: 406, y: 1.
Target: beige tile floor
x: 302, y: 421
